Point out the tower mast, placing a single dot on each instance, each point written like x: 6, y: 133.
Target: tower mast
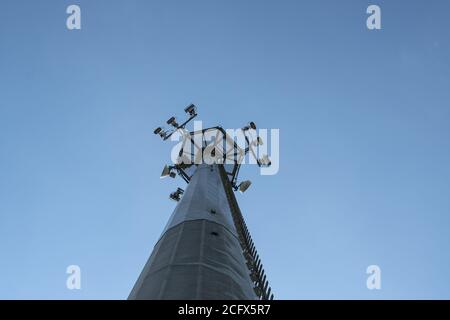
x: 205, y: 251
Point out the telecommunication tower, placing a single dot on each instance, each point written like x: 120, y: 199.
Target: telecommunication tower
x: 206, y: 251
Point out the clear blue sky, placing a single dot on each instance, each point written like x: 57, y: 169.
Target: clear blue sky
x: 364, y: 127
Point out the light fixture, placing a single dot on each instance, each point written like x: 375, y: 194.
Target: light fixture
x: 172, y: 122
x: 244, y: 185
x: 167, y: 172
x: 191, y: 110
x: 264, y: 161
x: 161, y: 132
x: 251, y: 125
x: 259, y: 141
x: 176, y: 196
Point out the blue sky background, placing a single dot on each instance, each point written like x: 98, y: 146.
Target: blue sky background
x: 364, y: 126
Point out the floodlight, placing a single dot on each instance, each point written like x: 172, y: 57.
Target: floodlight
x: 251, y: 125
x: 259, y: 141
x: 264, y: 161
x: 244, y: 185
x: 174, y: 196
x: 165, y: 172
x: 161, y: 132
x: 190, y: 109
x: 172, y: 122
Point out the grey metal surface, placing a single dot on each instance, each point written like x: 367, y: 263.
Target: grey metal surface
x: 204, y: 193
x: 199, y: 255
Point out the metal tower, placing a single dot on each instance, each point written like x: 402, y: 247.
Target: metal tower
x: 205, y: 251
